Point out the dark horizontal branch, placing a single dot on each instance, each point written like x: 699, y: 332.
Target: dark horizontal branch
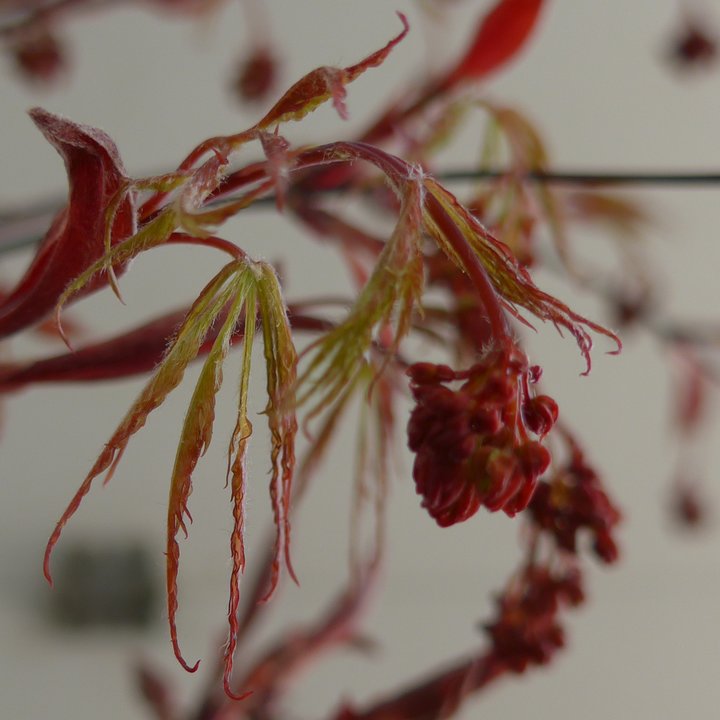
x: 590, y: 178
x: 22, y: 227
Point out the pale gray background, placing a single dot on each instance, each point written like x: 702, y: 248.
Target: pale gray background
x: 646, y: 645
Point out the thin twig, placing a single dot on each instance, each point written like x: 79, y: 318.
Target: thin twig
x: 23, y: 227
x: 650, y: 179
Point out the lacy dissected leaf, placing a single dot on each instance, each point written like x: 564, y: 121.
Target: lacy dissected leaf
x: 389, y: 298
x: 323, y: 84
x: 237, y: 476
x: 510, y: 280
x: 514, y: 205
x: 527, y: 150
x: 281, y: 370
x: 500, y: 277
x: 500, y: 36
x: 76, y: 237
x: 167, y: 377
x: 232, y: 300
x: 307, y: 94
x: 197, y: 428
x: 372, y: 456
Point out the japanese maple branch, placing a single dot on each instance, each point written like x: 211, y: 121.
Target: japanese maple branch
x: 436, y: 696
x: 23, y: 227
x: 583, y: 177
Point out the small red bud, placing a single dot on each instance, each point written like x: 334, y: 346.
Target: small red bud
x: 485, y: 421
x: 540, y: 414
x: 534, y: 458
x: 605, y: 547
x: 425, y: 373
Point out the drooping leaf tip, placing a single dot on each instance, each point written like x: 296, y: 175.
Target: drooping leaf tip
x: 61, y: 330
x: 231, y: 694
x: 405, y: 23
x: 46, y: 567
x: 178, y: 654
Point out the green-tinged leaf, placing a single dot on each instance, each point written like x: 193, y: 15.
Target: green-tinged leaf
x: 511, y: 281
x: 389, y: 299
x: 237, y: 475
x: 281, y: 364
x: 167, y: 377
x: 323, y: 84
x: 308, y: 93
x: 281, y: 369
x: 197, y: 434
x: 522, y: 202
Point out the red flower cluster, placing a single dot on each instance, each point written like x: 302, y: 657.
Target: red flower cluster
x: 472, y: 444
x: 575, y: 500
x: 526, y: 631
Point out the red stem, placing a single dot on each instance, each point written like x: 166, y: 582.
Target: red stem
x: 473, y: 267
x: 209, y: 241
x: 437, y: 697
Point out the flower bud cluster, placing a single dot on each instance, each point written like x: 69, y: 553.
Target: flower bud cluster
x: 575, y: 500
x: 527, y: 630
x: 472, y: 444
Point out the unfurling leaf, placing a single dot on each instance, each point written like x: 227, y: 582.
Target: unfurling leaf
x: 166, y: 378
x: 323, y: 84
x: 389, y: 297
x: 281, y: 370
x: 198, y: 183
x: 233, y: 299
x: 76, y: 238
x: 197, y: 428
x: 512, y: 283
